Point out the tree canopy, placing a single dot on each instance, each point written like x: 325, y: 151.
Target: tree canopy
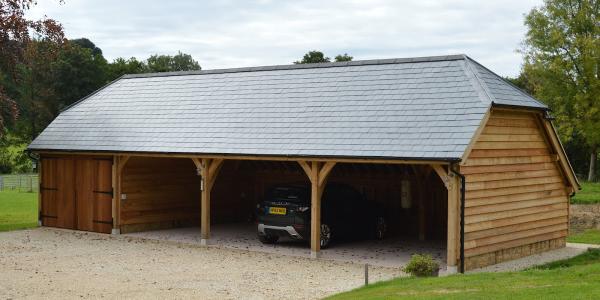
x: 314, y: 56
x: 168, y: 63
x: 562, y: 57
x: 16, y: 50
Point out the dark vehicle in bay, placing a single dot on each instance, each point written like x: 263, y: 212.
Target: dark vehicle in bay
x: 345, y: 214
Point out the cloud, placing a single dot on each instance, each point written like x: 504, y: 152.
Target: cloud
x: 221, y: 34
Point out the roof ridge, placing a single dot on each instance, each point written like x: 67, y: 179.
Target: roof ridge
x: 303, y: 66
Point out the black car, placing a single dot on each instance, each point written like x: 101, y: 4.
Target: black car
x: 345, y: 213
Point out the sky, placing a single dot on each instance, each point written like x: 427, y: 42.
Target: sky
x: 226, y: 34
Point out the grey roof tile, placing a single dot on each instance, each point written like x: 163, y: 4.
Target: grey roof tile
x: 404, y: 108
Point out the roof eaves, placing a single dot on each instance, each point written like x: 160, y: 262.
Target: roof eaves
x: 395, y: 158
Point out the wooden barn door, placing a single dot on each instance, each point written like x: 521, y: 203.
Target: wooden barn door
x: 102, y: 196
x: 58, y: 198
x: 77, y: 193
x: 48, y: 189
x: 84, y: 197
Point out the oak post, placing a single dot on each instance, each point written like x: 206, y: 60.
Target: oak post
x: 315, y: 211
x: 452, y: 183
x: 452, y: 245
x: 205, y: 201
x: 317, y: 173
x: 207, y: 169
x: 116, y: 197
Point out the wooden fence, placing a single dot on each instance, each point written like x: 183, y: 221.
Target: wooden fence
x: 26, y: 183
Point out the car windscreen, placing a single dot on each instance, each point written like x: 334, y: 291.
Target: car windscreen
x: 291, y: 194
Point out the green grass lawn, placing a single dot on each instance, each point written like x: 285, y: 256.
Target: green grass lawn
x: 575, y: 278
x: 589, y: 194
x: 18, y: 210
x: 591, y: 236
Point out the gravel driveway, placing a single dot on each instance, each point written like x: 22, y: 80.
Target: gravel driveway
x: 53, y: 263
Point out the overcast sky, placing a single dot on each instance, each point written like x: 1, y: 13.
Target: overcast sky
x: 222, y: 34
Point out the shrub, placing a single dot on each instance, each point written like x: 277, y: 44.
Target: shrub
x: 422, y: 265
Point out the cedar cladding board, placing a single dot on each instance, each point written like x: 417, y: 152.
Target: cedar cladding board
x: 515, y: 192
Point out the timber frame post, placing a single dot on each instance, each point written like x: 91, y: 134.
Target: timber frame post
x: 452, y: 183
x: 208, y: 169
x: 117, y: 171
x: 317, y: 173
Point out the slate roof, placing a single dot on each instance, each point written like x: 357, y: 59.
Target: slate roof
x: 412, y: 108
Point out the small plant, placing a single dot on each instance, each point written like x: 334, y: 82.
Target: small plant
x: 422, y: 265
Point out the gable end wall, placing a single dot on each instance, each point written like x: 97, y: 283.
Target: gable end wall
x: 516, y: 201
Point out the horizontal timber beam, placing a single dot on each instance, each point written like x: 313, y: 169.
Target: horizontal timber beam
x: 269, y: 158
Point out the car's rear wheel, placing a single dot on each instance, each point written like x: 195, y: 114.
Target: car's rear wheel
x: 268, y: 239
x: 325, y: 235
x: 380, y: 228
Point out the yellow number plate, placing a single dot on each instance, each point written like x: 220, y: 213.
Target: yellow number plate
x: 277, y: 210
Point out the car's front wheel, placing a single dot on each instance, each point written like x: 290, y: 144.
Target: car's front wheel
x: 325, y: 235
x: 268, y: 239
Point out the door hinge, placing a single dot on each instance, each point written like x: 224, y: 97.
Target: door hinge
x: 48, y: 216
x: 111, y: 192
x: 103, y: 222
x: 48, y: 189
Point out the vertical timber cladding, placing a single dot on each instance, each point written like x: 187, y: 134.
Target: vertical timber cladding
x: 516, y: 196
x: 76, y: 192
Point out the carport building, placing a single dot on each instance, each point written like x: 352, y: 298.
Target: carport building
x: 452, y: 150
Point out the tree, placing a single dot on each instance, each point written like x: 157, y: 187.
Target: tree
x: 121, y: 66
x: 15, y: 37
x: 167, y: 63
x: 562, y: 56
x: 184, y: 62
x: 77, y: 72
x: 35, y: 79
x: 524, y: 82
x: 343, y: 57
x: 87, y: 44
x: 313, y: 57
